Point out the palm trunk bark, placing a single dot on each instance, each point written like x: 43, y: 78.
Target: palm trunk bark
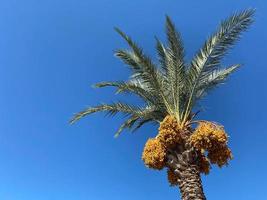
x: 190, y: 184
x: 184, y: 164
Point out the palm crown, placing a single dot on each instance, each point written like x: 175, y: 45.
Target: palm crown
x: 170, y: 90
x: 172, y: 86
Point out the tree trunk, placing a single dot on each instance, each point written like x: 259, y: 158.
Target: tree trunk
x: 190, y: 184
x: 183, y: 162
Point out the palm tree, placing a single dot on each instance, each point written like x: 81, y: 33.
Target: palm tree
x: 170, y: 90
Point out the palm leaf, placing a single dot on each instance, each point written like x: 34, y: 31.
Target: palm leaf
x: 144, y: 69
x: 111, y: 109
x: 148, y: 114
x: 141, y: 64
x: 141, y: 123
x: 127, y: 124
x: 214, y: 79
x: 131, y: 87
x: 173, y: 87
x: 175, y: 66
x: 162, y: 55
x: 208, y: 58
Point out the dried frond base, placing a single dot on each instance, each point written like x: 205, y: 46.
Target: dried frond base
x: 204, y: 165
x: 172, y: 177
x: 154, y: 154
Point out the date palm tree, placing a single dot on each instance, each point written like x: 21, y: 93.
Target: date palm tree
x: 170, y: 90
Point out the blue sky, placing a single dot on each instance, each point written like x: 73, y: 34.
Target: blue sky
x: 51, y: 52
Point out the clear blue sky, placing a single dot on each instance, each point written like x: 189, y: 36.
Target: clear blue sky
x: 52, y: 51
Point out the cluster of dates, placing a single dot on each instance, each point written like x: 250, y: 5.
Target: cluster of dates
x: 211, y: 139
x: 155, y: 151
x: 208, y: 139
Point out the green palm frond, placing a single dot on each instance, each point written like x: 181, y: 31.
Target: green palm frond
x: 134, y: 112
x: 132, y: 87
x: 129, y: 58
x: 175, y: 65
x: 162, y: 55
x: 111, y: 109
x: 171, y: 86
x: 213, y: 79
x: 127, y: 124
x: 143, y: 69
x: 171, y: 59
x: 209, y: 57
x: 175, y: 44
x: 141, y: 123
x: 134, y: 122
